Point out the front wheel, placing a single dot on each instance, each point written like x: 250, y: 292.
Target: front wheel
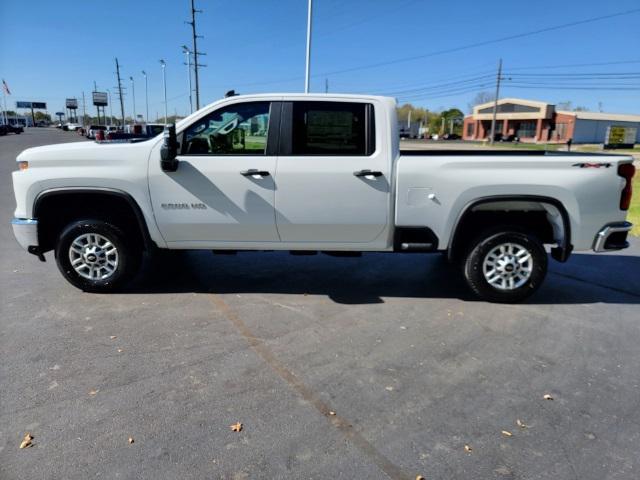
x: 505, y: 266
x: 95, y: 256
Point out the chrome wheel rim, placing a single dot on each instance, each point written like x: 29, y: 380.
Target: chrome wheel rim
x: 508, y: 266
x: 93, y: 256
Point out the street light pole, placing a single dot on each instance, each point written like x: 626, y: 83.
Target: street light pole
x: 308, y: 61
x: 146, y: 96
x: 164, y: 87
x: 187, y: 52
x: 133, y: 97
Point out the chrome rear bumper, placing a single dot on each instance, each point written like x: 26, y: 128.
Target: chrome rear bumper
x: 612, y: 237
x: 26, y: 232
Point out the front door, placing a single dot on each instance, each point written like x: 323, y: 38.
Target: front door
x: 332, y: 176
x: 223, y: 189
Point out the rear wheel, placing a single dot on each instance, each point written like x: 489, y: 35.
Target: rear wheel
x: 94, y: 256
x: 505, y: 266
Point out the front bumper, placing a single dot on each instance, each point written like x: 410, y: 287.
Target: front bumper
x: 26, y: 232
x: 612, y: 237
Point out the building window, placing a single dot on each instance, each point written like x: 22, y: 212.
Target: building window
x: 470, y: 129
x: 527, y: 130
x: 510, y: 108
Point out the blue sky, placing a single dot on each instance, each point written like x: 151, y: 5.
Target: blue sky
x: 56, y: 49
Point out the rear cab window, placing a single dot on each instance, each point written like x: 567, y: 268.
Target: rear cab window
x: 332, y: 128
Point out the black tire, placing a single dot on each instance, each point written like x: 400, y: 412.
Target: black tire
x: 473, y: 266
x: 128, y: 256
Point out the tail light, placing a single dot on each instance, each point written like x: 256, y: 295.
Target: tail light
x: 626, y: 171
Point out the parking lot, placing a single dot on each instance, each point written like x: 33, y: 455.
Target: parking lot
x: 376, y: 367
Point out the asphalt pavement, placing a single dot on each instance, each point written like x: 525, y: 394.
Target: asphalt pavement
x: 376, y: 367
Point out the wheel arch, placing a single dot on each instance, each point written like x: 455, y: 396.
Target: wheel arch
x: 50, y: 197
x: 560, y: 253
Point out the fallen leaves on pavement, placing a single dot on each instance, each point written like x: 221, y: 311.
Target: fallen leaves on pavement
x: 93, y: 392
x: 547, y: 397
x: 520, y: 423
x: 467, y: 448
x: 506, y: 433
x: 130, y: 440
x: 236, y: 427
x: 26, y: 441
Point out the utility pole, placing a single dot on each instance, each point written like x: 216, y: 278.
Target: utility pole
x: 110, y: 108
x: 146, y: 96
x: 326, y: 85
x: 133, y: 96
x: 84, y: 110
x: 195, y: 52
x: 120, y: 91
x: 164, y: 87
x: 307, y: 68
x: 409, y: 120
x: 495, y: 103
x: 188, y: 52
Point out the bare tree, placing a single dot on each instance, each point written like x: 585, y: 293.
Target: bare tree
x: 480, y: 98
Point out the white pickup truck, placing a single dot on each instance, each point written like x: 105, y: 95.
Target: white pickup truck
x: 309, y: 173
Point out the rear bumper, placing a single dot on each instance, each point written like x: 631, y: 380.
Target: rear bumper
x: 612, y: 237
x: 26, y: 232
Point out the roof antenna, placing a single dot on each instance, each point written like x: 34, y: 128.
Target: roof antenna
x: 230, y: 93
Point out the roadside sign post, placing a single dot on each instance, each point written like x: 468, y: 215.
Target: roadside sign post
x: 100, y: 99
x: 71, y: 104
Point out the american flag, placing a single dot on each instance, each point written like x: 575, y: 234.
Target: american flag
x: 5, y: 87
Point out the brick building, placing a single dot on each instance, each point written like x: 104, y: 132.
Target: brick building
x: 534, y: 122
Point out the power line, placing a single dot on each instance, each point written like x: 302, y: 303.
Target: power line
x: 462, y: 48
x: 577, y: 65
x: 486, y: 42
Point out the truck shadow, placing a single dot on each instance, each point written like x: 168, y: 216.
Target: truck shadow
x: 367, y: 280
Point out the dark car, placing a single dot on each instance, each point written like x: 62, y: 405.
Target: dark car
x: 3, y: 130
x: 451, y: 136
x: 17, y: 129
x: 510, y: 138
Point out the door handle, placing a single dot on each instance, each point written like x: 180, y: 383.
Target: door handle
x: 255, y: 172
x: 367, y: 173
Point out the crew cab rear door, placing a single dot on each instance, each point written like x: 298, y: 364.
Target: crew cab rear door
x: 333, y: 175
x: 224, y: 187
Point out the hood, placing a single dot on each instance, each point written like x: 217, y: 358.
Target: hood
x: 85, y: 152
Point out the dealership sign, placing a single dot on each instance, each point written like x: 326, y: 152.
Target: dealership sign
x: 71, y: 103
x: 100, y: 99
x: 620, y: 137
x: 36, y: 105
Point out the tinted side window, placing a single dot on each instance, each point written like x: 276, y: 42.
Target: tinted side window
x: 239, y: 129
x: 329, y: 128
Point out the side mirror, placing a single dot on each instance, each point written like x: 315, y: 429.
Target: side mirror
x: 169, y: 150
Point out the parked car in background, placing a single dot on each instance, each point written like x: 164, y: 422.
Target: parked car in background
x: 451, y: 136
x: 71, y: 127
x: 510, y: 138
x: 17, y: 129
x: 3, y: 130
x: 132, y: 132
x: 92, y: 129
